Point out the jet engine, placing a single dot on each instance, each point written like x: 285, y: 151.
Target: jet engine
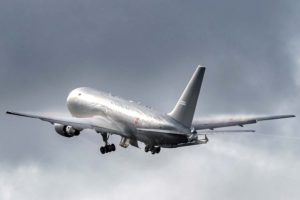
x: 66, y: 131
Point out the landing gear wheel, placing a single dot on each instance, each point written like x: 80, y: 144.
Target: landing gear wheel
x: 157, y: 149
x: 113, y: 147
x: 107, y: 148
x: 102, y: 150
x: 110, y: 148
x: 147, y: 148
x: 154, y: 150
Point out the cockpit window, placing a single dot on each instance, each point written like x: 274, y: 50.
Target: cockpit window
x: 79, y: 94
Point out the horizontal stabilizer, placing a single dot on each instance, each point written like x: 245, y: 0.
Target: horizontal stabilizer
x: 209, y: 132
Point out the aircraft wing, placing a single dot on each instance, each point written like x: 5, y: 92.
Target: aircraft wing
x: 219, y: 123
x: 100, y: 124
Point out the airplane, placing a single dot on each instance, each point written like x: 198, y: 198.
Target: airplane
x: 109, y: 115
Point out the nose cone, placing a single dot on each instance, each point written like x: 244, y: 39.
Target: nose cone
x: 74, y: 94
x: 73, y: 100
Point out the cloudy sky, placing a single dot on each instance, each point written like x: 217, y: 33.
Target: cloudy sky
x: 147, y: 51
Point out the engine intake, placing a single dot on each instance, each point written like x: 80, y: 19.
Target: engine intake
x: 66, y: 131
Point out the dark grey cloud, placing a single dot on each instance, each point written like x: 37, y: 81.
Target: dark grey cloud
x: 147, y: 51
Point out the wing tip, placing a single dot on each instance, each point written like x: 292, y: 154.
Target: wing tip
x: 19, y: 114
x: 288, y: 116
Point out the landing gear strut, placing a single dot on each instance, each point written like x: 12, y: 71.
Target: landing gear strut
x: 153, y: 149
x: 108, y: 147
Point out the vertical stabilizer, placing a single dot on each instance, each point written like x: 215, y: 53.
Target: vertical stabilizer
x: 185, y: 107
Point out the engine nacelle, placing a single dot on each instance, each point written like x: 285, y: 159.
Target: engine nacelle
x: 66, y: 131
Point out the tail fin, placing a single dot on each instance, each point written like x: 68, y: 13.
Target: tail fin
x: 185, y: 107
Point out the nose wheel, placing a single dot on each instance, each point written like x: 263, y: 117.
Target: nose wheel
x: 108, y: 147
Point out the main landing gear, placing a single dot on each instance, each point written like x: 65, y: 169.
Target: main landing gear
x: 108, y: 147
x: 153, y: 149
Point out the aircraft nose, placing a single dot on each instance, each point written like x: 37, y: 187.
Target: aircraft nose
x: 73, y: 101
x: 74, y: 94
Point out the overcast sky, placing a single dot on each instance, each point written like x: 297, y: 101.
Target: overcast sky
x: 147, y: 51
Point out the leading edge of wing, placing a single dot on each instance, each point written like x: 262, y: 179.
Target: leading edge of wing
x: 219, y: 123
x: 98, y: 123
